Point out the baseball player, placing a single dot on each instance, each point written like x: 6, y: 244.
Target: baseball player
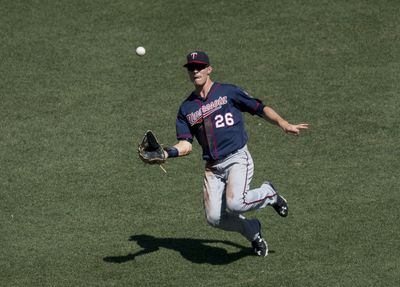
x: 213, y: 115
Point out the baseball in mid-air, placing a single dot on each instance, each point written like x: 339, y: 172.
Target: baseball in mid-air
x: 140, y: 51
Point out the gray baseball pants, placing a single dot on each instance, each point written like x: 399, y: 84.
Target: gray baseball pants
x: 227, y: 194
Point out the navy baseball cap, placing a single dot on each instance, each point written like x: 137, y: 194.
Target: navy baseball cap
x: 197, y: 57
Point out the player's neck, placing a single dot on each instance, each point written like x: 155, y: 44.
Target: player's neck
x: 204, y: 90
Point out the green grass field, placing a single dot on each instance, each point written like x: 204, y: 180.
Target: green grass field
x: 78, y: 208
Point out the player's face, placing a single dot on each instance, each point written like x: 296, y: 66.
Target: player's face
x: 199, y: 73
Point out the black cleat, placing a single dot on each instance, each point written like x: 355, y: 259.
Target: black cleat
x: 259, y: 245
x: 280, y: 205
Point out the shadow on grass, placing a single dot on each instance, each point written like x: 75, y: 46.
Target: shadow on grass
x: 195, y: 250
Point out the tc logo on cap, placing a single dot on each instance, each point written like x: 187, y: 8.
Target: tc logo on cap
x: 193, y: 55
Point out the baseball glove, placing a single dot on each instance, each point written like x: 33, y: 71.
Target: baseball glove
x: 150, y: 150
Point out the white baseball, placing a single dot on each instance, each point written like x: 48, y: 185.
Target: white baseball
x: 140, y: 51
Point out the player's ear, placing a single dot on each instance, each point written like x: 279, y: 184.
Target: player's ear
x: 209, y: 69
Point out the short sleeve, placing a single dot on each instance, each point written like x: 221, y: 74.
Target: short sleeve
x: 247, y: 103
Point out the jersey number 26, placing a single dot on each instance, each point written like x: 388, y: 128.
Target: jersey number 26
x: 222, y: 120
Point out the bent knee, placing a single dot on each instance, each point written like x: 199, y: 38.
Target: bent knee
x: 234, y: 205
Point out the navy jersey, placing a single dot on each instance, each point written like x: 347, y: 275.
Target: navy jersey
x: 217, y: 121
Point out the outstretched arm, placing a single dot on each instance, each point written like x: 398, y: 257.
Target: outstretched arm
x: 273, y: 117
x: 183, y: 147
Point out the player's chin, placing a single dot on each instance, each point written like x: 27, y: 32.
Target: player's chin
x: 198, y: 81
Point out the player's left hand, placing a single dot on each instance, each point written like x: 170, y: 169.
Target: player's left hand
x: 294, y: 129
x: 150, y: 150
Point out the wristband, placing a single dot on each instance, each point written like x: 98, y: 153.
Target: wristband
x: 172, y: 152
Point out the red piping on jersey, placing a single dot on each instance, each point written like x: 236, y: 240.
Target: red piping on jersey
x: 212, y: 130
x: 212, y: 124
x: 212, y: 91
x: 214, y: 139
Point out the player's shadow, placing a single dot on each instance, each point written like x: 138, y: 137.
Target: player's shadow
x: 195, y: 250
